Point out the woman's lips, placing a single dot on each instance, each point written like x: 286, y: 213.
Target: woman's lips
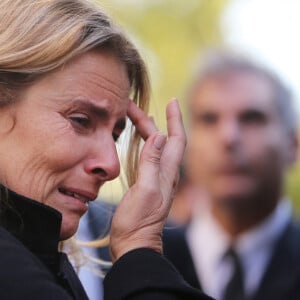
x: 83, y: 196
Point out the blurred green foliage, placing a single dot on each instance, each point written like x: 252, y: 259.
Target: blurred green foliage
x: 293, y: 186
x: 171, y: 34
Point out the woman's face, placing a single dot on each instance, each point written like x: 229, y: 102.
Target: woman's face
x: 58, y: 140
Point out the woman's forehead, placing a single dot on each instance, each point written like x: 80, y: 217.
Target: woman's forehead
x: 93, y: 77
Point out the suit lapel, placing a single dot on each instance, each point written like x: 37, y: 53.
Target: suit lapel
x: 284, y: 268
x: 177, y: 251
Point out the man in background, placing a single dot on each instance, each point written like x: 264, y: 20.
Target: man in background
x: 243, y: 243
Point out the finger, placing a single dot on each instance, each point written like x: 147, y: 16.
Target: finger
x: 149, y: 167
x: 144, y: 124
x: 174, y: 121
x: 173, y: 151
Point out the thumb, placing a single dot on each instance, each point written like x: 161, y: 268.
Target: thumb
x: 149, y: 166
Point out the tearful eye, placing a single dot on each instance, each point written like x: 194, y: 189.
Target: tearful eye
x: 81, y: 120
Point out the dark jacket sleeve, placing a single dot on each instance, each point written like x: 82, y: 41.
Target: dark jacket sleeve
x: 144, y: 274
x: 23, y: 276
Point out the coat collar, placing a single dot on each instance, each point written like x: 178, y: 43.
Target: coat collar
x: 36, y: 225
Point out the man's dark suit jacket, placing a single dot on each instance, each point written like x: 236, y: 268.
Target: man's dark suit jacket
x: 281, y: 280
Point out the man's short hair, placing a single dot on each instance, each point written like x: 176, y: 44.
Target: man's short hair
x: 217, y: 62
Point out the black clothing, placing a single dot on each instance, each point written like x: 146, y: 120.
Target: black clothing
x: 281, y: 280
x: 177, y: 251
x: 30, y: 265
x: 32, y: 268
x: 235, y: 287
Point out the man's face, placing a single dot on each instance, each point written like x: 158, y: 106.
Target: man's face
x: 237, y: 147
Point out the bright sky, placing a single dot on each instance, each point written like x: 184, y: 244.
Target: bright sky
x: 270, y: 30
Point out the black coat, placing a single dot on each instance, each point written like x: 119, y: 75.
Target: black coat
x: 281, y: 280
x: 32, y: 268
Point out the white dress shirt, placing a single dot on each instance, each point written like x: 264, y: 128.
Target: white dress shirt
x: 208, y: 243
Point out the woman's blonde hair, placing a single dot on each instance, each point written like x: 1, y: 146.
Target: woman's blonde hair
x: 38, y: 36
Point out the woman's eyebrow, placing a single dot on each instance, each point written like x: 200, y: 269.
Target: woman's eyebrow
x: 99, y: 111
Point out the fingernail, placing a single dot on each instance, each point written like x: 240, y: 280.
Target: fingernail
x: 159, y: 141
x: 175, y: 100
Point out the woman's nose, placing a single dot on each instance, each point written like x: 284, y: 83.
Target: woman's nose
x: 103, y: 162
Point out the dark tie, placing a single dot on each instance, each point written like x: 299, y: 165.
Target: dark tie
x: 235, y: 287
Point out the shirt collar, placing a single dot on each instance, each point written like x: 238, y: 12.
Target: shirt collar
x: 209, y: 232
x: 266, y: 233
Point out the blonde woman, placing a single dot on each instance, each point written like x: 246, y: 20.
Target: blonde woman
x: 66, y: 76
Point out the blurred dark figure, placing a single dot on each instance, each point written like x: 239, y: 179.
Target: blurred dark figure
x: 242, y: 138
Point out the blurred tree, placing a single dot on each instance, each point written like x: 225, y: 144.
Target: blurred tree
x: 293, y: 186
x: 170, y: 34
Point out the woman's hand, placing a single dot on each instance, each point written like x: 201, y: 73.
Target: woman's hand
x: 141, y: 215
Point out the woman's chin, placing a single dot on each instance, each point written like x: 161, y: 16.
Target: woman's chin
x: 68, y: 228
